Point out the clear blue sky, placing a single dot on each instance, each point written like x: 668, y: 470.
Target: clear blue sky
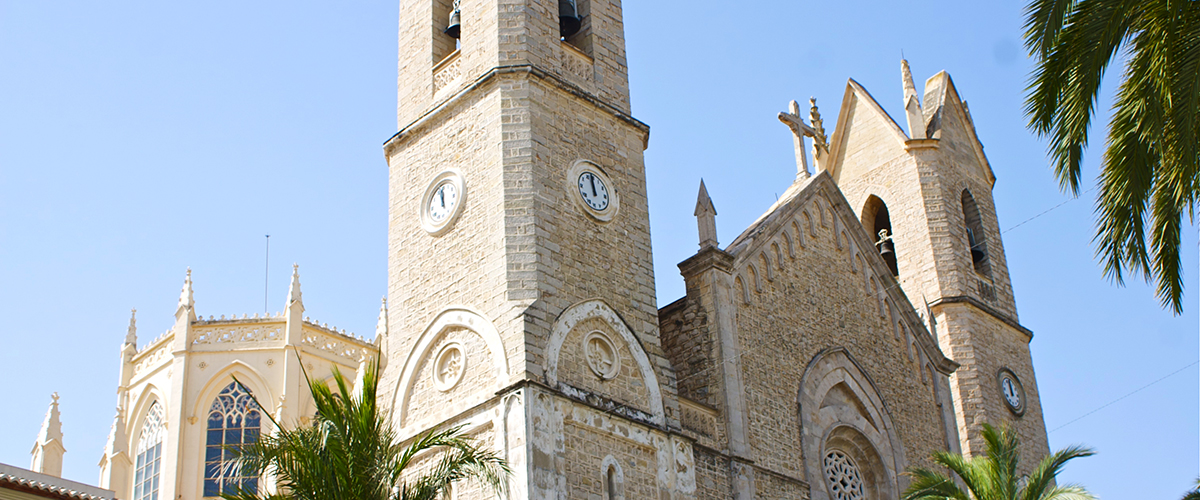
x: 140, y: 138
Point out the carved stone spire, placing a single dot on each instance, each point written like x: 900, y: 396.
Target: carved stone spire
x: 131, y: 334
x: 48, y: 450
x: 910, y: 89
x: 114, y: 464
x: 912, y: 104
x: 294, y: 295
x: 118, y: 441
x: 187, y: 303
x: 706, y: 218
x: 381, y: 334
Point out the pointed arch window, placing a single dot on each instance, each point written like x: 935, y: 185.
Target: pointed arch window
x: 234, y: 420
x: 149, y: 454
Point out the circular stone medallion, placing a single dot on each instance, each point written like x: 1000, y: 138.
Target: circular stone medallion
x: 448, y: 367
x: 602, y: 356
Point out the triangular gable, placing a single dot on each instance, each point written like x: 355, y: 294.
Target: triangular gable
x: 944, y: 106
x: 819, y: 194
x: 859, y: 108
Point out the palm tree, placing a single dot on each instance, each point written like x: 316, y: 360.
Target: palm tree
x: 351, y: 450
x: 1149, y: 176
x: 994, y: 476
x: 1194, y: 494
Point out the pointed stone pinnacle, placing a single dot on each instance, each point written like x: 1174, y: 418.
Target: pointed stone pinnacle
x: 704, y: 203
x: 186, y: 299
x: 131, y: 334
x: 295, y: 296
x: 906, y: 76
x: 706, y: 217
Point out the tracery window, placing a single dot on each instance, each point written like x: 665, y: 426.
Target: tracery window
x: 149, y: 453
x: 234, y: 420
x: 845, y: 480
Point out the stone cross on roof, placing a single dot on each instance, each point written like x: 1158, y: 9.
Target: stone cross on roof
x: 800, y: 130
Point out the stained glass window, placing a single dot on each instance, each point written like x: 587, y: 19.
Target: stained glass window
x: 149, y: 453
x: 233, y: 420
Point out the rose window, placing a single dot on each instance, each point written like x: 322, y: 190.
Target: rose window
x: 842, y: 474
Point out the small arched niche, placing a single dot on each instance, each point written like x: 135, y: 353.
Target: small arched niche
x: 976, y: 237
x: 878, y: 222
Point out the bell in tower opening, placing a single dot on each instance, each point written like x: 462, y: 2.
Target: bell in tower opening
x: 568, y: 18
x: 879, y: 222
x: 454, y: 25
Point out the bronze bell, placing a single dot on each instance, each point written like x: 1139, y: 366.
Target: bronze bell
x: 454, y: 27
x: 568, y: 18
x: 887, y: 249
x: 978, y: 252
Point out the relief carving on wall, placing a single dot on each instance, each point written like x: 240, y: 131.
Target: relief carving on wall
x: 449, y: 366
x: 602, y: 355
x: 236, y: 334
x: 331, y: 345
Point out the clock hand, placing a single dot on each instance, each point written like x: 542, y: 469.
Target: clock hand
x: 593, y: 179
x: 442, y: 195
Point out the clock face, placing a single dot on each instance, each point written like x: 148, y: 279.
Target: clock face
x: 593, y: 190
x: 1014, y: 394
x: 1010, y: 392
x: 443, y: 202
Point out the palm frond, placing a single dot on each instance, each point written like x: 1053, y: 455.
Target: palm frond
x: 1194, y: 494
x: 1042, y: 477
x: 930, y: 485
x: 1043, y: 22
x: 351, y: 450
x: 1067, y: 492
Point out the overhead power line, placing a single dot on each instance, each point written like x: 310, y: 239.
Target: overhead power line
x: 1135, y: 391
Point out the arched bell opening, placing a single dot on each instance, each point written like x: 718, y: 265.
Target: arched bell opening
x: 447, y: 19
x: 976, y: 237
x: 878, y: 223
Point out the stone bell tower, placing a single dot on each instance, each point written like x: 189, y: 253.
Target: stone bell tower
x: 521, y: 288
x: 925, y: 194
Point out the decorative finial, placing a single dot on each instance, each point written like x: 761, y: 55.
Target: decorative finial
x: 912, y: 103
x: 706, y: 218
x: 131, y: 334
x: 381, y: 327
x: 294, y: 295
x: 818, y: 125
x: 186, y: 299
x: 910, y: 89
x: 48, y: 450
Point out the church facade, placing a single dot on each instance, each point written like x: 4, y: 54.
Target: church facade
x: 865, y: 321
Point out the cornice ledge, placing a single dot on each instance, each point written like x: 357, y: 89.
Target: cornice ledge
x: 390, y: 145
x: 707, y: 258
x: 965, y: 299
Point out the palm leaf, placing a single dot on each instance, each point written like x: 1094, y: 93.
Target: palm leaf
x: 351, y: 450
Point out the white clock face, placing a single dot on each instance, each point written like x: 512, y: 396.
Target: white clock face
x: 442, y: 203
x: 593, y: 190
x: 1011, y: 393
